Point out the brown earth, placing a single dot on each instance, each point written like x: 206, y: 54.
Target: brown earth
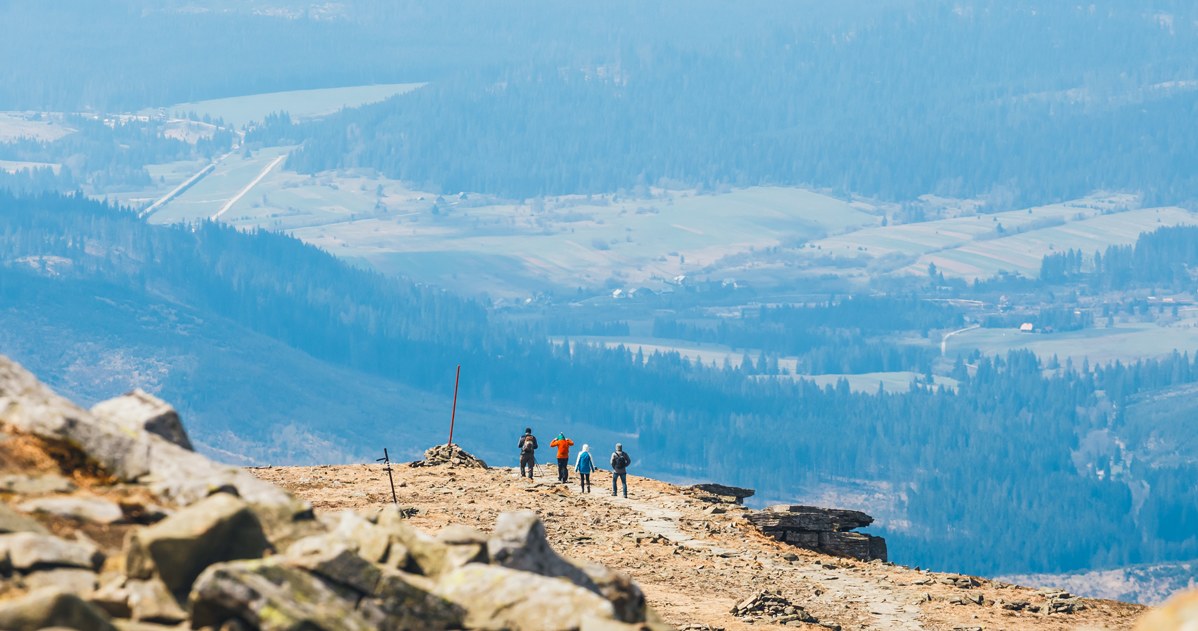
x: 694, y: 564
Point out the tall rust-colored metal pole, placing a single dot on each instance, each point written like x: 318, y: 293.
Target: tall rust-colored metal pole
x: 454, y: 413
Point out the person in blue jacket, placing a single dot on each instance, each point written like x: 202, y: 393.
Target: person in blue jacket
x: 584, y: 466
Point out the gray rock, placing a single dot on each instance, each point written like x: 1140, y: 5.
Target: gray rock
x: 219, y: 528
x: 51, y: 607
x: 271, y: 597
x: 35, y: 484
x: 621, y: 591
x: 518, y: 542
x: 27, y: 551
x: 335, y: 563
x: 406, y: 601
x: 502, y: 598
x: 141, y: 411
x: 169, y: 470
x: 370, y: 541
x: 72, y: 580
x: 12, y: 521
x: 432, y: 557
x: 151, y: 601
x: 92, y: 509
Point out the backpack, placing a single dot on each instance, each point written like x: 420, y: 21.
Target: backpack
x: 623, y: 460
x: 526, y: 445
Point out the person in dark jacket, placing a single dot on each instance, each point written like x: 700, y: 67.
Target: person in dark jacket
x: 619, y: 468
x: 528, y: 452
x: 585, y: 466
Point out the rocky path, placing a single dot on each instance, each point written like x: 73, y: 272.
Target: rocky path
x: 887, y: 606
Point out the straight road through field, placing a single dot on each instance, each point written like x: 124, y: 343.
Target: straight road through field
x: 248, y: 187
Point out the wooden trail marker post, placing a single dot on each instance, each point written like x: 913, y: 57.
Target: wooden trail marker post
x: 386, y: 460
x: 454, y: 412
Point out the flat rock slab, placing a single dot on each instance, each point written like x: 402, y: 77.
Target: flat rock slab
x: 92, y: 509
x: 12, y: 521
x: 27, y: 551
x: 35, y: 484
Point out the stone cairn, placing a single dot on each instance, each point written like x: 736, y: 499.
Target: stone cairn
x: 108, y: 521
x: 825, y: 530
x: 450, y: 456
x: 772, y: 607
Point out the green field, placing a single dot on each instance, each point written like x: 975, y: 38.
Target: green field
x: 300, y: 104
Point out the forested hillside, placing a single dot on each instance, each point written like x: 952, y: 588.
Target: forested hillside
x: 945, y: 456
x: 903, y: 100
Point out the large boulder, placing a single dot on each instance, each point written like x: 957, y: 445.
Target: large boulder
x: 176, y: 549
x: 140, y: 411
x: 168, y: 470
x: 519, y: 542
x: 51, y: 607
x: 502, y: 598
x: 405, y: 601
x: 272, y: 597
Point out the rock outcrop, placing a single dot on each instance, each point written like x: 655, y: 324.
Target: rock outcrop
x: 825, y: 530
x: 722, y: 492
x: 449, y: 456
x: 112, y: 522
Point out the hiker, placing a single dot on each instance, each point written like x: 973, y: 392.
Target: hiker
x: 584, y: 466
x: 528, y: 449
x: 619, y: 468
x: 563, y: 445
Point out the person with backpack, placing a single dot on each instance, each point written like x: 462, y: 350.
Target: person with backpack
x: 584, y: 466
x: 619, y: 468
x: 563, y: 445
x: 528, y: 449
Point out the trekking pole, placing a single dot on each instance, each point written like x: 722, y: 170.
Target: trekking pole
x: 454, y: 412
x: 386, y: 460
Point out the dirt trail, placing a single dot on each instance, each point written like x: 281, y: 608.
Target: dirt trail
x: 883, y: 602
x: 695, y: 560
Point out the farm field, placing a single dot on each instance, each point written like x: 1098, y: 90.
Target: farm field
x: 300, y: 104
x: 18, y: 125
x: 717, y: 355
x: 1124, y: 342
x: 1022, y: 253
x: 479, y: 245
x: 1015, y: 241
x: 12, y: 166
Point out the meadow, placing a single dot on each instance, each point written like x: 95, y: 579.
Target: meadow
x: 240, y: 111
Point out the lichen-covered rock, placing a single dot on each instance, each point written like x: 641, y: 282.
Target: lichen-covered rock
x: 335, y: 563
x: 271, y: 597
x: 51, y: 607
x: 406, y: 601
x: 140, y: 411
x: 27, y: 551
x: 178, y: 548
x: 502, y: 598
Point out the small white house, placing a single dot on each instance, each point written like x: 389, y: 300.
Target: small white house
x: 1027, y: 327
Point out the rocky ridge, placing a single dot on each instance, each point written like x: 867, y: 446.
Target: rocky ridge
x: 109, y: 521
